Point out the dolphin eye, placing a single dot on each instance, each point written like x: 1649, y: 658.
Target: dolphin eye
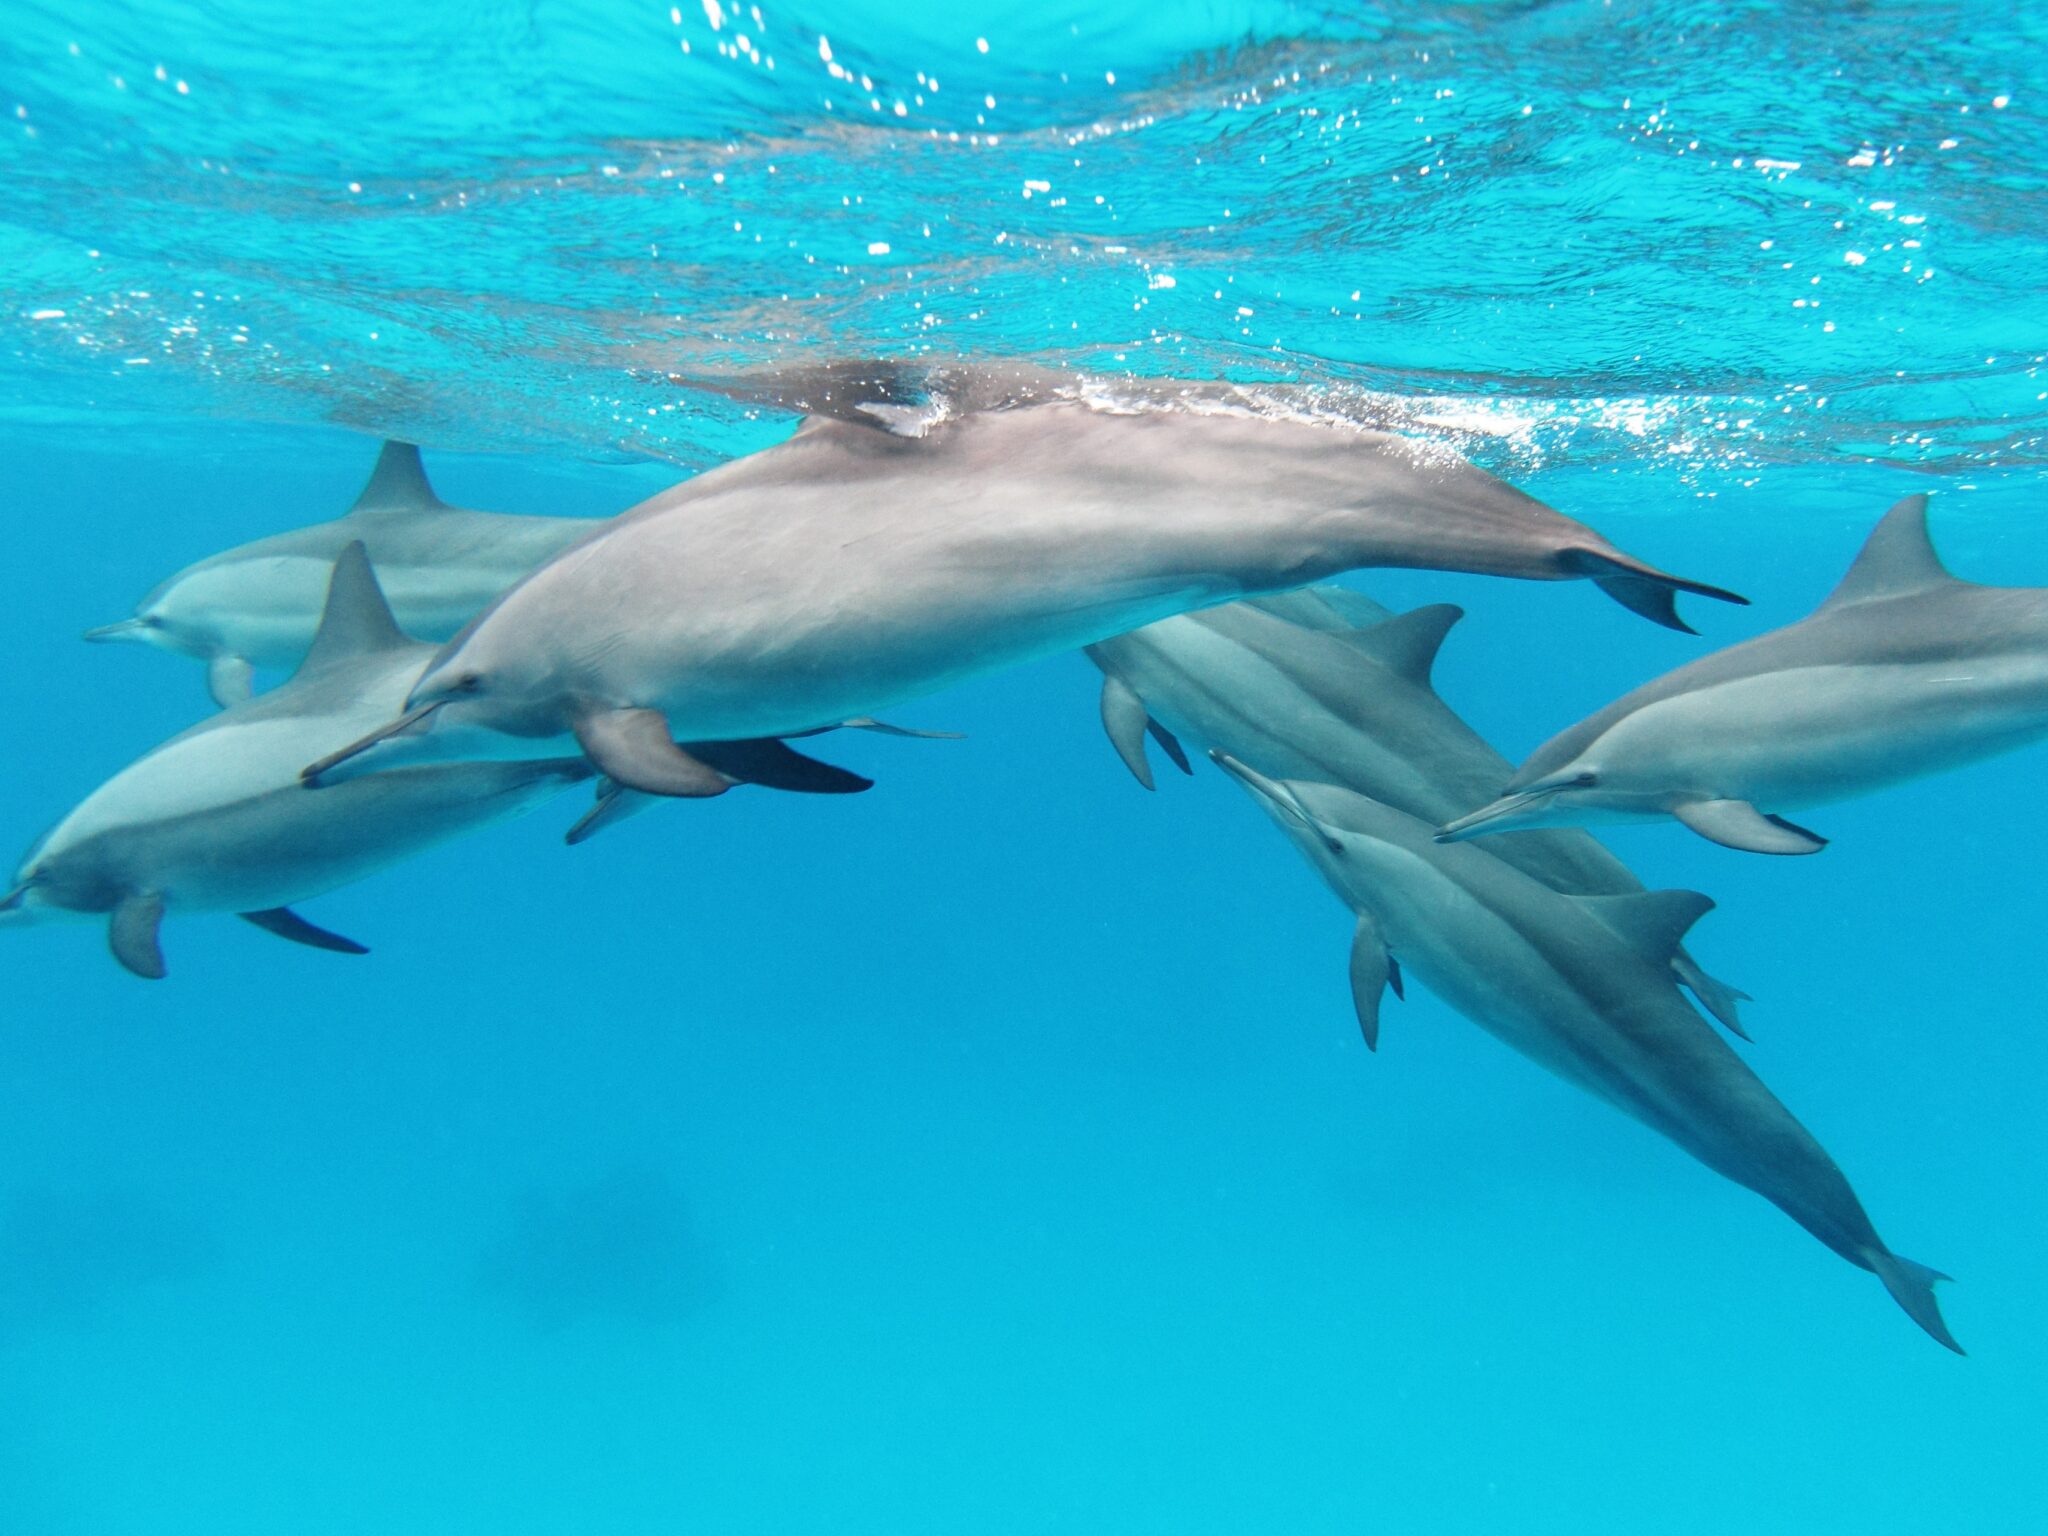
x: 1586, y: 780
x: 469, y: 682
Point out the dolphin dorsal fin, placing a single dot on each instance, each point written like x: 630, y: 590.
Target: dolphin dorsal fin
x: 1898, y: 557
x: 1407, y: 644
x: 1653, y: 922
x: 397, y: 484
x: 356, y: 620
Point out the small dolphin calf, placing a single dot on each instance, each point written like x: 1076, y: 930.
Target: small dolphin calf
x: 1582, y: 986
x: 851, y: 568
x: 1326, y: 685
x: 259, y: 604
x: 1903, y: 671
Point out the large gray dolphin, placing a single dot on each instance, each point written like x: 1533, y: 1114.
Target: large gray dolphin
x: 852, y: 568
x: 259, y: 604
x: 217, y: 819
x: 1326, y: 685
x: 1581, y: 985
x: 1902, y: 671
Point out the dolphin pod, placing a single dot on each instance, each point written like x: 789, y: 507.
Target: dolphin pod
x: 1903, y: 671
x: 676, y: 649
x: 1328, y: 686
x: 1582, y: 986
x: 852, y: 568
x: 259, y: 604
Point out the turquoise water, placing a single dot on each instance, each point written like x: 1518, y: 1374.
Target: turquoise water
x: 995, y: 1151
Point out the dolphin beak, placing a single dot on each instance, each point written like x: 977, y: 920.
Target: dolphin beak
x: 1501, y: 816
x: 1278, y: 798
x: 414, y: 719
x: 13, y: 900
x: 127, y: 629
x: 1265, y: 788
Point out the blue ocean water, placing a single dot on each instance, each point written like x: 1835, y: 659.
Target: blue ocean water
x: 996, y: 1151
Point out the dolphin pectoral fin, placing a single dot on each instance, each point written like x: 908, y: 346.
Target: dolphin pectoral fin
x: 1740, y: 825
x: 1642, y: 588
x: 1912, y: 1287
x: 132, y: 934
x: 774, y: 764
x: 287, y: 924
x: 1170, y: 745
x: 1713, y: 994
x: 884, y: 728
x: 612, y: 806
x: 231, y: 680
x: 1125, y: 718
x: 1373, y: 970
x: 632, y: 747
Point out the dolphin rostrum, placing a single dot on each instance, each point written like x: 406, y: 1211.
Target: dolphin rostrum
x: 1326, y: 685
x: 258, y: 605
x: 1582, y: 986
x: 851, y: 568
x: 217, y: 819
x: 1903, y: 671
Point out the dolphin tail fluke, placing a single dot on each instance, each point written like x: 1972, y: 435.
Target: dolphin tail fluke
x: 1912, y: 1287
x: 287, y: 924
x: 1642, y: 588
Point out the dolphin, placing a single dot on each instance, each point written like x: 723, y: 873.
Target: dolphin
x: 851, y: 568
x: 1582, y: 986
x: 1326, y: 685
x: 259, y: 604
x: 1903, y: 671
x: 217, y: 820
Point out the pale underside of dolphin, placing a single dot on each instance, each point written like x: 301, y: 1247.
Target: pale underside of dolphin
x: 259, y: 604
x: 1326, y: 685
x: 851, y: 568
x: 1903, y: 671
x: 1582, y: 986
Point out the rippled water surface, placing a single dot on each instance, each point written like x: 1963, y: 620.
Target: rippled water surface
x: 995, y: 1152
x: 1760, y: 232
